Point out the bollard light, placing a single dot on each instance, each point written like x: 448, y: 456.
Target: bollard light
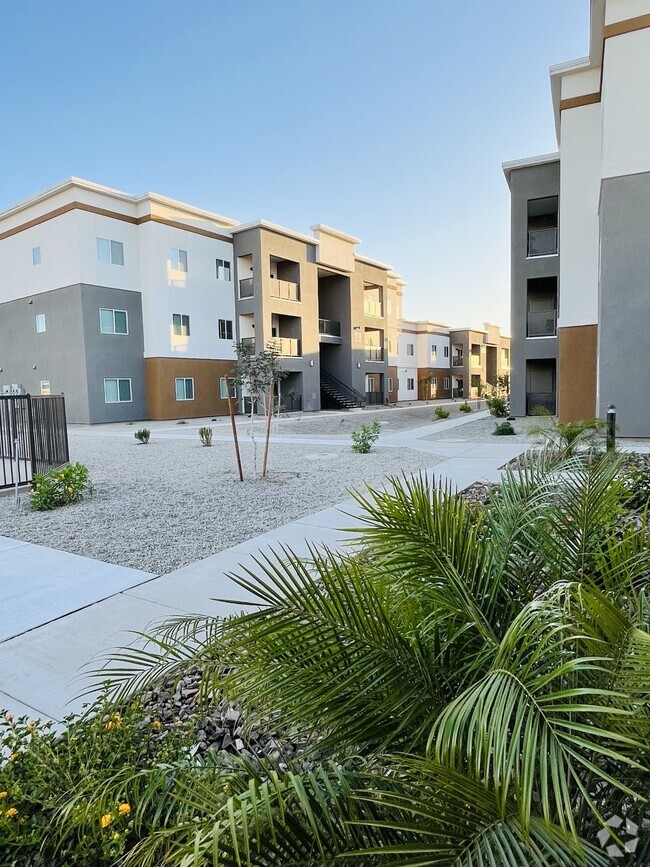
x: 611, y: 427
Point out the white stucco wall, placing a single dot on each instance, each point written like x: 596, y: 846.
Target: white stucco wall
x: 622, y: 10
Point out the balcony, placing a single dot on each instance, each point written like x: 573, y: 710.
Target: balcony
x: 286, y: 290
x: 248, y: 341
x: 457, y: 392
x: 288, y: 347
x: 541, y: 323
x: 246, y: 288
x: 542, y: 242
x: 457, y: 361
x: 329, y: 327
x: 374, y: 353
x: 545, y: 399
x: 373, y: 308
x: 374, y: 398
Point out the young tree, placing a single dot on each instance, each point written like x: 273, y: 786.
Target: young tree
x: 257, y: 375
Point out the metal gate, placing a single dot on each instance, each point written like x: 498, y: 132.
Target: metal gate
x: 33, y: 437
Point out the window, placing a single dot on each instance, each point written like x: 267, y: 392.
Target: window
x: 117, y: 391
x: 45, y: 386
x: 223, y: 269
x: 110, y: 252
x: 445, y: 383
x: 113, y: 321
x: 178, y: 260
x: 180, y: 325
x: 40, y: 323
x: 409, y: 349
x: 434, y: 384
x: 434, y: 351
x: 223, y: 388
x: 446, y: 352
x: 410, y: 384
x: 184, y: 388
x: 390, y: 384
x: 36, y: 256
x: 225, y: 329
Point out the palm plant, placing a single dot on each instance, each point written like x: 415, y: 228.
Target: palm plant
x: 472, y: 687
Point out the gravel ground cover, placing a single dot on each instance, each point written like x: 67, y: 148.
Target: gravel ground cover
x: 482, y: 430
x: 161, y: 506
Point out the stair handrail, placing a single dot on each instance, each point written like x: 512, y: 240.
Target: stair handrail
x: 346, y: 390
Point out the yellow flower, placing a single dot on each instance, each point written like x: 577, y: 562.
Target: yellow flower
x: 156, y: 725
x: 11, y: 812
x: 69, y: 490
x: 13, y: 757
x: 3, y: 795
x: 106, y: 820
x: 115, y: 722
x: 124, y: 809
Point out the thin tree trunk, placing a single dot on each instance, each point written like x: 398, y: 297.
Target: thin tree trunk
x: 269, y: 416
x: 234, y: 432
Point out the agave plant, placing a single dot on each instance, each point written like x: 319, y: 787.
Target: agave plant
x: 473, y: 682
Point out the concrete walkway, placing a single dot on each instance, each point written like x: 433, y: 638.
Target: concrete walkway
x: 62, y: 614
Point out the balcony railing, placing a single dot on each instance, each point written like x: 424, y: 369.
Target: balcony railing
x: 373, y: 308
x: 542, y: 323
x: 246, y: 288
x: 330, y: 327
x: 287, y: 346
x: 545, y: 399
x: 374, y: 398
x: 457, y: 361
x: 542, y: 242
x: 457, y: 392
x: 249, y: 341
x: 291, y: 404
x: 286, y: 290
x: 374, y: 353
x: 475, y: 360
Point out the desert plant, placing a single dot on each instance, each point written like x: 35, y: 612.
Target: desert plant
x: 505, y: 429
x: 143, y: 435
x: 364, y: 437
x: 464, y: 407
x: 59, y: 487
x: 205, y: 435
x: 181, y: 421
x: 497, y: 406
x: 440, y: 412
x: 568, y: 437
x: 522, y: 724
x: 540, y: 410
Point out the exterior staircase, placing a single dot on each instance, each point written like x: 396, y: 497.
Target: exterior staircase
x: 337, y: 392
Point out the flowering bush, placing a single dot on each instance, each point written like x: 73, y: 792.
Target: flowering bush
x: 59, y: 487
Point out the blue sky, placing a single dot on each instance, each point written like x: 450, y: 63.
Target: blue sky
x: 388, y: 119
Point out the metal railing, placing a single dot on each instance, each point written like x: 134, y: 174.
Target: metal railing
x: 329, y: 327
x: 287, y: 346
x: 331, y: 384
x: 545, y: 399
x: 248, y: 341
x: 33, y: 437
x: 246, y: 288
x: 374, y: 353
x: 373, y: 308
x: 457, y: 361
x: 541, y: 323
x: 374, y: 398
x: 285, y: 289
x: 542, y: 242
x: 290, y: 404
x: 457, y: 392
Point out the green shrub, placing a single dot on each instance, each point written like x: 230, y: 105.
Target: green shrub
x: 440, y: 412
x: 364, y: 438
x: 566, y: 437
x: 497, y: 406
x: 143, y: 435
x: 59, y: 487
x: 205, y: 435
x: 465, y: 407
x: 505, y: 429
x: 540, y: 410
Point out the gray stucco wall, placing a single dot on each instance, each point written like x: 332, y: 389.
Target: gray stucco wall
x: 624, y: 302
x: 72, y: 354
x: 530, y: 182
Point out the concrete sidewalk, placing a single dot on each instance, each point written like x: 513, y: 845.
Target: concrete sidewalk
x: 63, y: 614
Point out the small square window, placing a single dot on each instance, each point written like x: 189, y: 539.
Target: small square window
x: 117, y: 253
x: 180, y: 325
x: 225, y: 329
x: 36, y: 256
x: 409, y: 349
x: 40, y: 323
x: 446, y: 354
x: 110, y: 252
x: 45, y: 386
x: 445, y: 382
x: 178, y: 260
x: 223, y: 269
x: 184, y: 388
x: 224, y: 382
x: 117, y: 391
x: 113, y: 321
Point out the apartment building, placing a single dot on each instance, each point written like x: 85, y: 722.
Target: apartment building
x: 131, y: 305
x: 581, y: 233
x: 435, y: 361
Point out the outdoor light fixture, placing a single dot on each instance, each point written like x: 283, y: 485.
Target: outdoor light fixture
x: 358, y: 364
x: 311, y: 363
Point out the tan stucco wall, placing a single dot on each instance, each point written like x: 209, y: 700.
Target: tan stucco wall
x: 160, y: 375
x: 577, y: 372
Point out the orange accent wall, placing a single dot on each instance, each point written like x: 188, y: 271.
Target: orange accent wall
x: 160, y: 375
x: 577, y: 361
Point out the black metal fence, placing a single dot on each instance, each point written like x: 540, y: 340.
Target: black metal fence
x: 33, y: 437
